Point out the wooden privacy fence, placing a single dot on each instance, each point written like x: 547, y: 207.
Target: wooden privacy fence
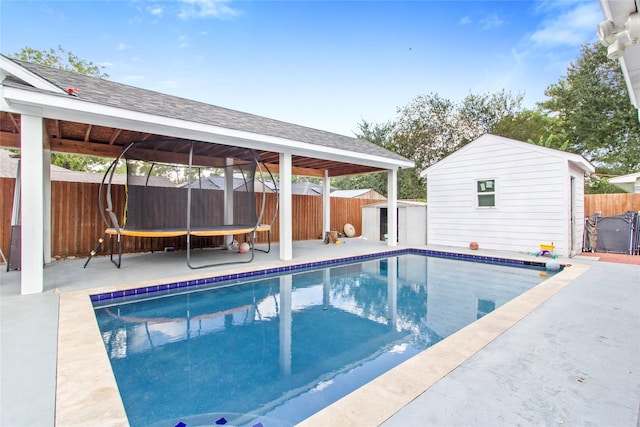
x: 611, y: 204
x: 77, y: 224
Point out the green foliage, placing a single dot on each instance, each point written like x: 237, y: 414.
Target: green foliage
x: 376, y: 181
x: 532, y: 125
x: 594, y: 112
x: 378, y: 134
x: 600, y: 185
x: 61, y: 59
x: 77, y: 162
x: 551, y: 142
x: 430, y: 128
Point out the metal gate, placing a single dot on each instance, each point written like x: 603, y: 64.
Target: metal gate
x: 616, y: 233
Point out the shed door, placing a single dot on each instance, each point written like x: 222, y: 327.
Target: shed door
x: 383, y: 222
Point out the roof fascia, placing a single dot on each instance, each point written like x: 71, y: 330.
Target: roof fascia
x: 8, y: 67
x: 625, y: 179
x: 74, y: 109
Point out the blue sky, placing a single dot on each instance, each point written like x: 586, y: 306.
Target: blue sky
x: 323, y: 64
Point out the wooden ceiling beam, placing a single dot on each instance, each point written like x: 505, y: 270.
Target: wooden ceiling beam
x: 15, y: 123
x: 9, y: 140
x: 87, y: 148
x: 87, y: 134
x: 114, y: 136
x: 275, y: 168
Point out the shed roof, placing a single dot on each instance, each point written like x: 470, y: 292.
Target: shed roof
x: 400, y: 204
x: 575, y: 159
x: 89, y: 115
x: 349, y: 194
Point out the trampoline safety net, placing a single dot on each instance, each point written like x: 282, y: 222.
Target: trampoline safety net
x: 185, y: 188
x: 158, y: 195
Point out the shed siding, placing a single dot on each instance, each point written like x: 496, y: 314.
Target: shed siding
x: 531, y: 199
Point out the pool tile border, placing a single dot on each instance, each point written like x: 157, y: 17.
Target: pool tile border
x: 154, y: 290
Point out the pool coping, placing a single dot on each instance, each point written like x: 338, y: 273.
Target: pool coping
x: 87, y: 393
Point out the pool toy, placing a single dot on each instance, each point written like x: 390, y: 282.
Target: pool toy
x: 547, y: 250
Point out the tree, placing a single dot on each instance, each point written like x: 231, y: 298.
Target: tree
x: 594, y: 113
x: 533, y: 126
x: 379, y: 135
x: 63, y: 60
x: 430, y: 128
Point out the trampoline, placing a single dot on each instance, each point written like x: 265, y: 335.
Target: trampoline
x: 196, y: 189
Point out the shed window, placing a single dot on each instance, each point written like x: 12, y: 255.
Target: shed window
x: 486, y: 193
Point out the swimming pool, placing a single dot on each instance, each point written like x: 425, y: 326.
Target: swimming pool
x: 260, y: 351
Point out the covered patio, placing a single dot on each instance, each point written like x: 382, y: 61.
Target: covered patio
x: 45, y: 110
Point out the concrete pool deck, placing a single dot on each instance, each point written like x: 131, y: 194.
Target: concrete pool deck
x: 565, y: 353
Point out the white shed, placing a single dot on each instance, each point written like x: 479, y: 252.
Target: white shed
x: 412, y: 222
x: 507, y: 195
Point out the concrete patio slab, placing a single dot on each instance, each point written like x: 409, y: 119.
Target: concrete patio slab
x: 569, y: 359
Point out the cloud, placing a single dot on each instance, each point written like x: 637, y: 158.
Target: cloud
x: 206, y: 9
x: 570, y: 27
x: 465, y: 20
x: 123, y: 46
x: 183, y: 41
x: 156, y: 10
x: 491, y: 21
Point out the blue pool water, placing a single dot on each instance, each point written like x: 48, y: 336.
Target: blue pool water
x: 275, y: 350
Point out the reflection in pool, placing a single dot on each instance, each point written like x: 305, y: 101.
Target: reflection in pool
x: 276, y: 350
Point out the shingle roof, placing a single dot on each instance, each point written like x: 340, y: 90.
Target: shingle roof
x: 109, y: 93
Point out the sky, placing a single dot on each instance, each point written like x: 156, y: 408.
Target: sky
x: 328, y: 65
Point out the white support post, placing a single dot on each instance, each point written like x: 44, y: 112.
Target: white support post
x: 286, y: 207
x: 32, y: 205
x: 326, y: 204
x: 286, y: 283
x: 47, y: 204
x: 228, y: 199
x: 392, y: 207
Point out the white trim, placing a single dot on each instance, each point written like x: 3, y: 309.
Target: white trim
x: 392, y: 210
x: 9, y: 67
x: 73, y: 109
x: 476, y: 193
x: 326, y: 203
x: 32, y: 206
x: 286, y: 206
x: 46, y: 182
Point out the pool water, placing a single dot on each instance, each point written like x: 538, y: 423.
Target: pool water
x: 274, y: 351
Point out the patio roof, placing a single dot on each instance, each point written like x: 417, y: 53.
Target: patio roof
x: 43, y: 108
x: 89, y: 115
